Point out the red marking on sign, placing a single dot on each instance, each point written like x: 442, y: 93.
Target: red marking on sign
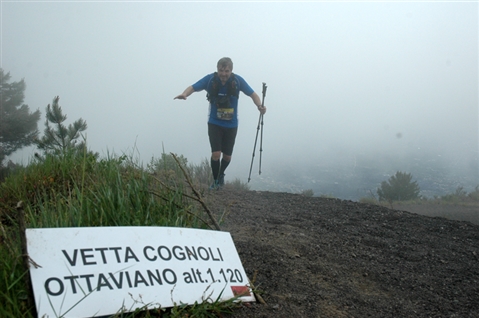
x: 240, y: 291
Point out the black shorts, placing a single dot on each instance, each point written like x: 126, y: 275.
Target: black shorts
x: 222, y: 139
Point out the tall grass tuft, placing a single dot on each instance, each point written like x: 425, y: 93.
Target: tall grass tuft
x: 75, y: 190
x: 237, y: 184
x: 13, y: 294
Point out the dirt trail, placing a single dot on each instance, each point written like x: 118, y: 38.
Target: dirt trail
x: 317, y: 257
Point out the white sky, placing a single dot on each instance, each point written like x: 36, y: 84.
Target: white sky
x: 343, y: 78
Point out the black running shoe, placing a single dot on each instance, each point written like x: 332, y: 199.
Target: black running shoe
x: 221, y: 180
x: 215, y: 185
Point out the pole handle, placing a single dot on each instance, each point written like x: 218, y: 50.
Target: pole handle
x: 264, y: 93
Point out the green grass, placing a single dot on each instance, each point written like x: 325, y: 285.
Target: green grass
x: 72, y: 190
x: 13, y: 293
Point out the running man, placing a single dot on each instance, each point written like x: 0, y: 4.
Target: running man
x: 222, y: 88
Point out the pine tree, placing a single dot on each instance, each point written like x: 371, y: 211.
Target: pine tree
x: 399, y: 188
x: 18, y: 126
x: 57, y: 137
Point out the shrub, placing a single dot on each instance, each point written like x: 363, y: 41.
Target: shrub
x: 461, y: 196
x: 307, y: 193
x: 201, y: 173
x: 238, y: 185
x: 57, y: 137
x: 399, y: 188
x: 6, y: 170
x: 368, y: 200
x: 474, y: 195
x: 167, y: 163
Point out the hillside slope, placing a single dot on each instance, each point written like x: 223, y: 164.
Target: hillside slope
x: 317, y: 257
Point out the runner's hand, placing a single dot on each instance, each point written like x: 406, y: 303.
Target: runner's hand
x: 181, y: 96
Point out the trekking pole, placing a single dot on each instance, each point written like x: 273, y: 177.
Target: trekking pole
x: 260, y: 122
x: 261, y: 138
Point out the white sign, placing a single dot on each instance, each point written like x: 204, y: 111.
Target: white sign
x: 87, y: 272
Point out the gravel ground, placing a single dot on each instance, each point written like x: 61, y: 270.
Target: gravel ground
x: 319, y: 257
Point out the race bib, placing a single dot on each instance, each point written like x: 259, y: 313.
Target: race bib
x: 225, y: 113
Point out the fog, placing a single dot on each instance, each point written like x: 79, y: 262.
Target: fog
x: 380, y: 85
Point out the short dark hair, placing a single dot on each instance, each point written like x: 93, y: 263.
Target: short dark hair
x: 225, y: 62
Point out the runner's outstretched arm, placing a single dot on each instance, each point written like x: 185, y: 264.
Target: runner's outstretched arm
x: 188, y: 91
